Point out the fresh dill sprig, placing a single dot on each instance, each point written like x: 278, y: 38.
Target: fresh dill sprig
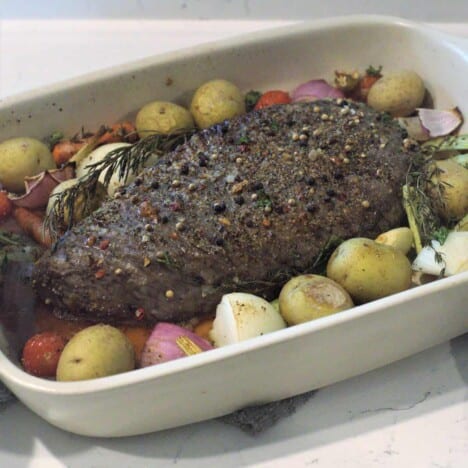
x: 122, y: 161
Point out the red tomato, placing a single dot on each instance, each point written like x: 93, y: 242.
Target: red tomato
x: 6, y: 206
x: 366, y: 83
x: 41, y: 354
x: 271, y: 98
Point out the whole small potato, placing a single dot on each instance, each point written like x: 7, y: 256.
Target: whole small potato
x: 215, y: 101
x: 162, y: 117
x: 94, y: 352
x: 79, y: 211
x: 450, y: 191
x: 308, y: 297
x: 398, y: 93
x: 369, y: 270
x: 20, y: 158
x: 275, y: 304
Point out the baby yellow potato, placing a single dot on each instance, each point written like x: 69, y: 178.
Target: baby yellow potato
x: 369, y: 270
x: 275, y: 304
x: 400, y: 238
x: 94, y: 352
x: 216, y: 101
x: 398, y: 93
x: 20, y: 158
x: 451, y: 181
x: 162, y: 117
x: 308, y: 297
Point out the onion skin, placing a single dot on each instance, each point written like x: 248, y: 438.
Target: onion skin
x: 440, y: 122
x: 452, y: 258
x: 315, y: 89
x: 168, y: 342
x: 39, y: 188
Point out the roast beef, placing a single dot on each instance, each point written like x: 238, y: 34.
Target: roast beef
x: 241, y: 206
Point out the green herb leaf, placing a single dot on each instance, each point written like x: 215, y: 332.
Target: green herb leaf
x: 243, y: 140
x: 251, y: 98
x: 263, y: 200
x: 451, y: 142
x: 320, y: 264
x: 373, y: 71
x: 441, y: 234
x: 53, y: 139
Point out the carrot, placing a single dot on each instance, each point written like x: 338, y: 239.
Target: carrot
x: 271, y: 98
x: 124, y: 131
x: 46, y: 321
x: 138, y: 337
x: 65, y: 149
x: 6, y: 207
x: 33, y: 225
x: 203, y: 329
x: 367, y: 81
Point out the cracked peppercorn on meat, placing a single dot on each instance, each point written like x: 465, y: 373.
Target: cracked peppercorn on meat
x: 242, y: 206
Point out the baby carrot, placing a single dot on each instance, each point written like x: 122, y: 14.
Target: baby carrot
x: 124, y: 131
x: 33, y: 225
x: 203, y: 329
x: 6, y: 206
x: 65, y: 149
x: 138, y: 337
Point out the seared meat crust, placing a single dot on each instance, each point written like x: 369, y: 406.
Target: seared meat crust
x: 242, y: 206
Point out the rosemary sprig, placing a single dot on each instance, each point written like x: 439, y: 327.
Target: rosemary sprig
x: 122, y: 161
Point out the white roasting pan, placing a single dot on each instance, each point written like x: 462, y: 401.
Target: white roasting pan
x: 280, y: 364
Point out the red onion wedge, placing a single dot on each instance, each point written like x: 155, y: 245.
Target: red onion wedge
x: 315, y: 89
x: 440, y: 122
x: 39, y: 187
x: 431, y: 123
x: 168, y: 342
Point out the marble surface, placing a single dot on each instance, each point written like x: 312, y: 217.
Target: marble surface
x: 411, y: 413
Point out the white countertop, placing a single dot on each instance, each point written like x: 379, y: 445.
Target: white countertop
x: 413, y: 413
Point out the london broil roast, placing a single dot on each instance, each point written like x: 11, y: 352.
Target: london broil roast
x: 241, y: 206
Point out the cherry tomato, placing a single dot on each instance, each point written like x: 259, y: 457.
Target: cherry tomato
x: 271, y: 98
x: 367, y: 81
x: 41, y: 354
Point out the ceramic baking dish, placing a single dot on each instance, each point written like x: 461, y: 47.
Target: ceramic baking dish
x: 283, y: 363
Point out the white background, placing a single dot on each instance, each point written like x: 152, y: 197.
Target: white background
x: 423, y: 10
